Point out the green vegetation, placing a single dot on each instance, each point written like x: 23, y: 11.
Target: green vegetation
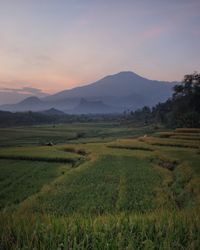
x: 69, y: 133
x: 154, y: 231
x: 181, y: 110
x: 45, y: 153
x: 21, y: 179
x: 107, y: 188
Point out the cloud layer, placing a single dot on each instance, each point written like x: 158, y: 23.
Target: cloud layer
x: 14, y: 95
x: 25, y: 90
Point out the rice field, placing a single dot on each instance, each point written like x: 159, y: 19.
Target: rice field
x: 116, y: 188
x: 20, y: 180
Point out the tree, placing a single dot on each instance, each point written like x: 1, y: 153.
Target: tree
x: 181, y: 110
x: 186, y: 101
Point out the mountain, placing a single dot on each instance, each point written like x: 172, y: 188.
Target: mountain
x: 52, y: 111
x: 121, y: 84
x: 113, y: 93
x: 122, y: 90
x: 91, y: 107
x: 12, y: 96
x: 32, y: 100
x: 31, y: 103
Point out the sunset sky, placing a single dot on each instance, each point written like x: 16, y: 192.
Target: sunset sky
x: 51, y: 45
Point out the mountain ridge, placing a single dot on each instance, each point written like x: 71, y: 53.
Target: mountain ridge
x: 129, y: 77
x: 123, y: 90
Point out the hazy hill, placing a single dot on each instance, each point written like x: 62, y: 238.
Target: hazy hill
x: 120, y: 91
x: 12, y: 96
x: 88, y: 107
x: 32, y: 103
x: 52, y: 111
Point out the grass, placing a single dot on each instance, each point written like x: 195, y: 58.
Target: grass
x: 188, y: 130
x: 160, y: 230
x: 41, y: 153
x: 68, y: 133
x: 96, y: 190
x: 19, y: 180
x: 183, y: 134
x: 130, y: 148
x: 110, y: 188
x: 172, y: 142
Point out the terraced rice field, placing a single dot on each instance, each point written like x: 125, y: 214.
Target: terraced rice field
x: 128, y: 192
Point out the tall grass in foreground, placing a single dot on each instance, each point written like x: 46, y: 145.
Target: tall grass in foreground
x: 123, y: 197
x: 162, y: 230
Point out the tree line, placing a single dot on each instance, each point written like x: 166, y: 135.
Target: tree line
x: 181, y: 110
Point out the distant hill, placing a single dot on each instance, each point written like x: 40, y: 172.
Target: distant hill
x: 120, y: 91
x: 52, y: 111
x: 12, y: 96
x: 91, y: 107
x: 31, y: 103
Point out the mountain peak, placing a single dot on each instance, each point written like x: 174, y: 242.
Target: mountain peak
x: 53, y: 111
x: 122, y: 77
x: 31, y: 100
x: 125, y: 74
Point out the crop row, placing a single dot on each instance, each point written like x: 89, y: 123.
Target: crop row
x: 108, y: 185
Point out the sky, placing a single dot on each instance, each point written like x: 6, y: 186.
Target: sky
x: 51, y: 45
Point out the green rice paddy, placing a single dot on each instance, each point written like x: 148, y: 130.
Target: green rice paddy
x: 101, y: 186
